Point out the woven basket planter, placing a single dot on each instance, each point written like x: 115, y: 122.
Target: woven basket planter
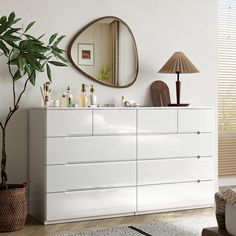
x: 13, y: 208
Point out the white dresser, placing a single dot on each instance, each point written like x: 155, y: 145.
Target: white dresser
x: 97, y: 163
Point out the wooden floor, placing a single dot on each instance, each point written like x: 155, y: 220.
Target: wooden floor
x: 36, y: 229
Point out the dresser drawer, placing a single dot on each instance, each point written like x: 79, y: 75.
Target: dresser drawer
x: 91, y: 203
x: 196, y: 120
x: 175, y: 196
x: 69, y: 122
x: 175, y: 145
x: 157, y: 121
x: 114, y: 121
x: 175, y: 170
x: 90, y: 176
x: 90, y: 149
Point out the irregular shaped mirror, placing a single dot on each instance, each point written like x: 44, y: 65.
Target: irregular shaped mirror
x: 105, y: 51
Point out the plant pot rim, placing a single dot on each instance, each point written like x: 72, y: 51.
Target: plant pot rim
x: 13, y: 186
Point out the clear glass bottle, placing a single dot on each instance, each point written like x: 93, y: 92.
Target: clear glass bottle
x: 92, y: 97
x: 122, y: 101
x: 63, y: 100
x: 69, y: 97
x: 83, y: 99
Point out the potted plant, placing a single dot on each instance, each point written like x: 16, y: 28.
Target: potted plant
x: 26, y: 57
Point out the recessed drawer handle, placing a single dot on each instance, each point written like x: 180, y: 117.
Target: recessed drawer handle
x: 71, y: 191
x: 198, y: 157
x: 198, y: 181
x: 198, y: 132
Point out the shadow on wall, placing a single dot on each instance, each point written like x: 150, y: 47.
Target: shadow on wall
x: 17, y: 147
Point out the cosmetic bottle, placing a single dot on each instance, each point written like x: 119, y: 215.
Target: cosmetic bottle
x: 83, y: 99
x: 63, y: 100
x: 122, y: 101
x: 47, y: 91
x: 69, y: 97
x: 92, y: 97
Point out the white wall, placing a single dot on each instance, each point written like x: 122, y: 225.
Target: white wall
x: 160, y: 28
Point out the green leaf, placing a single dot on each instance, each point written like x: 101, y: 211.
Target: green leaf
x: 3, y: 20
x: 28, y: 69
x: 21, y: 65
x: 13, y: 62
x: 29, y: 26
x: 32, y: 46
x: 29, y: 37
x: 52, y: 38
x: 59, y: 40
x: 14, y: 54
x: 17, y: 75
x: 15, y: 21
x: 10, y: 37
x: 13, y: 30
x: 57, y: 63
x: 11, y: 17
x: 32, y: 62
x: 4, y: 48
x: 40, y: 37
x: 33, y: 78
x: 49, y: 74
x: 62, y: 58
x: 39, y: 56
x: 11, y: 43
x: 57, y: 50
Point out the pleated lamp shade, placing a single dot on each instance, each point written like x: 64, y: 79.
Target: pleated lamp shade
x: 178, y: 63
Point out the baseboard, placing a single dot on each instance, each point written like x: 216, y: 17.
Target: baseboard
x: 227, y: 181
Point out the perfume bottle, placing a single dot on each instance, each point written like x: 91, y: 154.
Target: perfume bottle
x: 92, y: 97
x: 69, y: 97
x: 83, y: 99
x: 63, y: 100
x: 46, y: 92
x: 122, y: 101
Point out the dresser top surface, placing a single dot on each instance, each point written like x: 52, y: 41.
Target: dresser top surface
x: 119, y: 108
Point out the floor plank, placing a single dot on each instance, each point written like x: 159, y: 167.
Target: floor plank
x: 34, y: 228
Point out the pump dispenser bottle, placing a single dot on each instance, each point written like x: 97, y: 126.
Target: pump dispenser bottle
x: 69, y: 97
x: 92, y: 97
x: 83, y: 99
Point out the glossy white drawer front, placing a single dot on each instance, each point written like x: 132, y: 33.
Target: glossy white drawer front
x: 175, y: 170
x: 175, y: 145
x: 175, y: 196
x: 90, y: 203
x: 90, y: 149
x: 194, y: 120
x: 157, y: 121
x: 69, y: 122
x: 114, y: 121
x: 90, y: 176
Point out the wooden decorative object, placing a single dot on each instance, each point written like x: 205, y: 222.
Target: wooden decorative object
x: 160, y: 94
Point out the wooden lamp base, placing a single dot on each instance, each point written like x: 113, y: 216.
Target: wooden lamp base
x: 178, y: 88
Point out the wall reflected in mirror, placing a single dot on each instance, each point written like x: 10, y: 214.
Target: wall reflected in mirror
x: 105, y: 51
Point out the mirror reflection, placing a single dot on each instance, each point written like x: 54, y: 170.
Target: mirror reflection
x: 105, y: 51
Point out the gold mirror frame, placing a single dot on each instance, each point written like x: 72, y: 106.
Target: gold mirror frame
x: 89, y: 76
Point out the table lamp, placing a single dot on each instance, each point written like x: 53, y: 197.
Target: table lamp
x: 178, y: 63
